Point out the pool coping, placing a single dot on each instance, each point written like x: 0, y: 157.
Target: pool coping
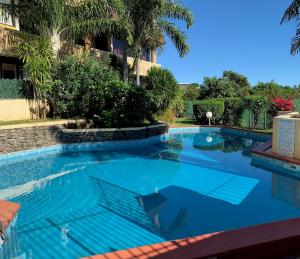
x: 264, y: 149
x: 277, y: 238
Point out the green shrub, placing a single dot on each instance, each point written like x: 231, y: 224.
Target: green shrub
x: 216, y: 106
x: 167, y: 116
x: 164, y: 88
x: 14, y: 89
x: 125, y: 105
x: 233, y: 111
x: 89, y: 88
x: 79, y: 86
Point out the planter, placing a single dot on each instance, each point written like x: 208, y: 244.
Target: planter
x: 283, y: 112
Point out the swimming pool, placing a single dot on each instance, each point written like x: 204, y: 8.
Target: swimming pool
x: 76, y: 204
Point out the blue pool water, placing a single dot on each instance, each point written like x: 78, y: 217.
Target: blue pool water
x: 83, y: 203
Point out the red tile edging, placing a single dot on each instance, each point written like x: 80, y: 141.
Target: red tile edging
x: 8, y: 211
x: 264, y: 150
x: 272, y: 239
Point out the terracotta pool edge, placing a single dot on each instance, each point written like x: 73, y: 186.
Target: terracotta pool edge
x: 8, y: 211
x: 261, y: 240
x: 264, y: 150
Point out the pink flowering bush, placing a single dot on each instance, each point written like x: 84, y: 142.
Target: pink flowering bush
x: 281, y: 104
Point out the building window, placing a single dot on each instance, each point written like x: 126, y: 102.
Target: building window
x: 9, y: 71
x: 118, y: 47
x: 10, y: 68
x: 146, y: 55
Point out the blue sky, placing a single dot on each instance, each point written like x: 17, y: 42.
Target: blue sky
x: 239, y: 35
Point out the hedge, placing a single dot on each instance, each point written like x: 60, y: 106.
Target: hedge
x: 13, y: 89
x: 216, y: 106
x: 233, y: 111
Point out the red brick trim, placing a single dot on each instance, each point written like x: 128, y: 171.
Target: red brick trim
x: 272, y: 239
x: 264, y: 150
x: 8, y: 211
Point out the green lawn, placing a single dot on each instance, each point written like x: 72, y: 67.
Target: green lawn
x: 188, y: 122
x: 183, y: 122
x: 7, y: 123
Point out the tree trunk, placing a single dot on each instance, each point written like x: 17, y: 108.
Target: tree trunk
x: 88, y: 40
x: 55, y: 43
x: 138, y: 71
x: 125, y: 62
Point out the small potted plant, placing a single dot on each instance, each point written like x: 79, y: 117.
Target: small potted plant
x: 283, y: 106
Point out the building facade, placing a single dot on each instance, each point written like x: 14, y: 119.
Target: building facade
x: 11, y: 66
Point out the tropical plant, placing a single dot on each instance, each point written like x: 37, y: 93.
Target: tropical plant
x: 36, y: 54
x: 151, y: 22
x: 292, y: 13
x: 164, y: 88
x: 54, y: 18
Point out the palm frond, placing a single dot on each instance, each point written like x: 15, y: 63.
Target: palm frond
x: 177, y: 37
x: 295, y: 45
x: 292, y: 12
x: 179, y: 12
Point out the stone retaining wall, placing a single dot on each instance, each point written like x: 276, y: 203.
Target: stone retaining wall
x: 23, y: 138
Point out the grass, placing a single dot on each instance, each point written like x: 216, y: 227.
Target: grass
x: 184, y: 122
x: 16, y: 122
x: 188, y: 122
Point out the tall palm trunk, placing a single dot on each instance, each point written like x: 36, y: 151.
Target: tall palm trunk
x: 138, y: 71
x: 125, y: 62
x: 55, y: 42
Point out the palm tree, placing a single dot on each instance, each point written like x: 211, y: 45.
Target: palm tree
x: 292, y: 13
x: 54, y: 18
x: 153, y: 21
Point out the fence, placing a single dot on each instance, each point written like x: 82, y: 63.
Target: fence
x: 265, y: 119
x: 13, y: 89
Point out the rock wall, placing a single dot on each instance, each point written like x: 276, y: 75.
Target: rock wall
x: 23, y: 138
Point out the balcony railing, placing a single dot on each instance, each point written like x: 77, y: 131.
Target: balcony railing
x: 8, y: 42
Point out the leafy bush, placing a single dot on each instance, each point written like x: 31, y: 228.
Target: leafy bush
x: 79, y: 86
x: 125, y: 105
x: 86, y: 87
x: 164, y: 88
x: 233, y: 111
x: 281, y: 104
x: 216, y: 106
x: 167, y: 116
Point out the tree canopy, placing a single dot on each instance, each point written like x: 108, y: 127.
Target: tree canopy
x: 231, y: 84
